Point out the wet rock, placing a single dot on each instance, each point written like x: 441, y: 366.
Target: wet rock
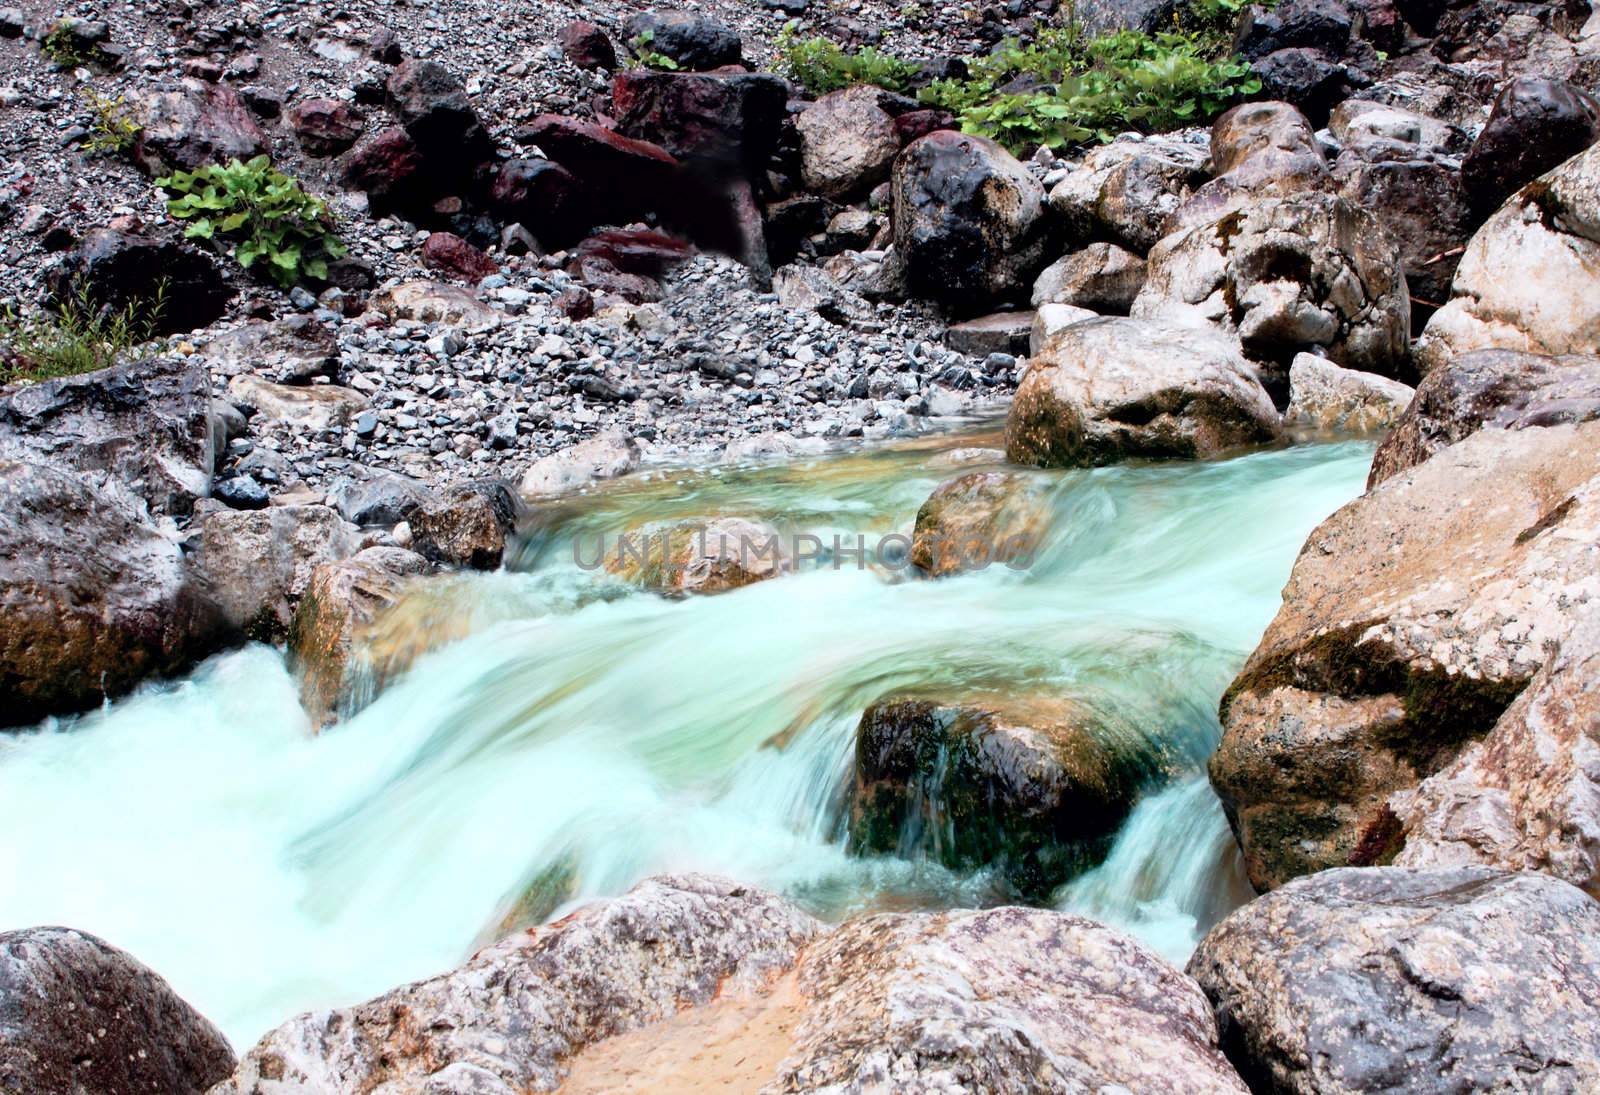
x: 198, y: 125
x: 1108, y: 389
x: 1537, y: 124
x: 146, y: 423
x: 451, y: 254
x: 603, y: 457
x: 316, y: 407
x: 701, y: 557
x: 1323, y: 396
x: 325, y: 127
x: 1102, y: 277
x: 1001, y: 333
x: 258, y: 563
x: 241, y: 492
x: 338, y: 608
x: 1307, y: 273
x: 466, y: 528
x: 1031, y: 786
x: 625, y: 178
x: 978, y: 520
x: 543, y: 197
x: 726, y: 120
x: 1488, y: 389
x: 117, y: 271
x: 1125, y: 191
x: 848, y: 142
x: 511, y: 1017
x: 79, y: 1015
x: 1413, y: 617
x: 587, y: 46
x: 434, y: 302
x: 1258, y: 150
x: 696, y: 42
x: 1441, y: 981
x: 1530, y: 278
x: 969, y: 221
x: 291, y: 350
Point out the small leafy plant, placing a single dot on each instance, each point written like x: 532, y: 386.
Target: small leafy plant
x: 64, y: 46
x: 113, y: 130
x: 263, y: 212
x: 76, y: 338
x: 646, y: 57
x: 821, y: 66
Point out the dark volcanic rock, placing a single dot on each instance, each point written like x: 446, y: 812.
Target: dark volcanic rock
x: 201, y: 124
x: 625, y: 178
x: 116, y: 270
x: 325, y: 127
x: 389, y: 167
x: 695, y: 42
x: 544, y: 198
x: 587, y: 46
x: 1536, y: 125
x: 80, y: 1017
x: 1308, y: 79
x: 729, y: 120
x: 1433, y: 982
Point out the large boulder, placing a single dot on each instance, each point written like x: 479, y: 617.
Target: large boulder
x: 1124, y: 192
x: 1488, y: 389
x: 1305, y: 273
x: 723, y: 120
x: 1537, y: 124
x: 969, y: 223
x: 1433, y: 982
x: 1107, y: 389
x: 340, y: 605
x: 694, y: 42
x: 1412, y: 619
x: 127, y: 273
x: 1530, y: 277
x: 1324, y: 396
x: 199, y: 124
x: 257, y: 563
x: 1030, y: 786
x: 93, y: 598
x: 77, y: 1016
x: 1258, y: 151
x: 978, y: 520
x: 434, y: 110
x: 847, y: 142
x: 624, y: 178
x: 147, y: 424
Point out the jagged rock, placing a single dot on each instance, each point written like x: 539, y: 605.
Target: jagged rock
x: 451, y: 254
x: 1032, y: 786
x: 694, y: 42
x: 603, y: 457
x: 1435, y: 981
x: 969, y: 221
x: 325, y: 127
x: 1309, y: 80
x: 1488, y: 389
x: 700, y: 557
x: 1259, y: 151
x: 1412, y: 619
x: 433, y: 302
x: 371, y: 496
x: 543, y: 197
x: 1311, y: 272
x: 1324, y: 396
x: 339, y: 606
x: 198, y: 125
x: 1107, y: 389
x: 1537, y: 124
x: 466, y: 528
x: 292, y: 350
x: 1126, y: 190
x: 726, y: 120
x: 1102, y: 277
x: 625, y: 178
x: 316, y: 407
x: 389, y: 167
x: 436, y: 114
x: 978, y: 520
x: 117, y: 271
x: 93, y: 598
x: 511, y: 1017
x: 1294, y: 24
x: 587, y: 46
x: 847, y: 142
x: 1096, y: 17
x: 78, y: 1015
x: 1000, y: 333
x: 257, y: 563
x: 146, y: 423
x: 1530, y: 278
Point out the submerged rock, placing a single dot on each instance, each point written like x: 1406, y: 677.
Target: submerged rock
x: 1032, y: 786
x: 711, y: 556
x: 978, y: 520
x: 1433, y: 982
x: 79, y: 1016
x: 1414, y: 616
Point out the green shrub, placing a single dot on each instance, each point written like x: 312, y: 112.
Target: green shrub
x: 645, y: 57
x: 821, y: 66
x: 63, y: 47
x: 264, y: 212
x: 113, y: 130
x: 77, y: 338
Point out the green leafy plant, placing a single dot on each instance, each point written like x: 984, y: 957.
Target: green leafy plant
x: 113, y: 130
x: 646, y: 57
x: 263, y: 212
x: 63, y: 46
x: 821, y: 66
x: 76, y: 338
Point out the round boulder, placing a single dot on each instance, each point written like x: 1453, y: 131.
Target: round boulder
x: 977, y: 520
x: 847, y: 142
x: 1537, y: 124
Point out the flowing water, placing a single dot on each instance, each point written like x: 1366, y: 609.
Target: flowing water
x: 579, y: 734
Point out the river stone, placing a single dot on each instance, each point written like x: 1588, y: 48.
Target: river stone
x: 1012, y: 1001
x: 700, y: 557
x: 78, y: 1016
x: 1530, y: 277
x: 468, y: 527
x: 93, y: 598
x: 340, y: 604
x: 257, y: 563
x: 1031, y: 786
x: 1323, y: 396
x: 847, y: 142
x: 1412, y: 619
x: 1124, y: 191
x: 1102, y: 277
x: 372, y: 496
x: 1432, y: 982
x: 147, y: 423
x: 977, y: 520
x: 970, y: 225
x: 1537, y: 124
x: 435, y: 302
x: 315, y: 407
x: 599, y: 458
x: 1305, y: 273
x: 508, y: 1019
x: 1488, y: 389
x: 1107, y: 389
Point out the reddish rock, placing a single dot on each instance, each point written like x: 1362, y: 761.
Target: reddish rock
x: 544, y: 198
x: 325, y: 127
x: 732, y: 119
x: 449, y: 252
x: 914, y: 124
x: 576, y: 302
x: 587, y: 46
x: 624, y: 177
x: 600, y: 275
x: 388, y: 167
x: 637, y: 250
x: 199, y: 125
